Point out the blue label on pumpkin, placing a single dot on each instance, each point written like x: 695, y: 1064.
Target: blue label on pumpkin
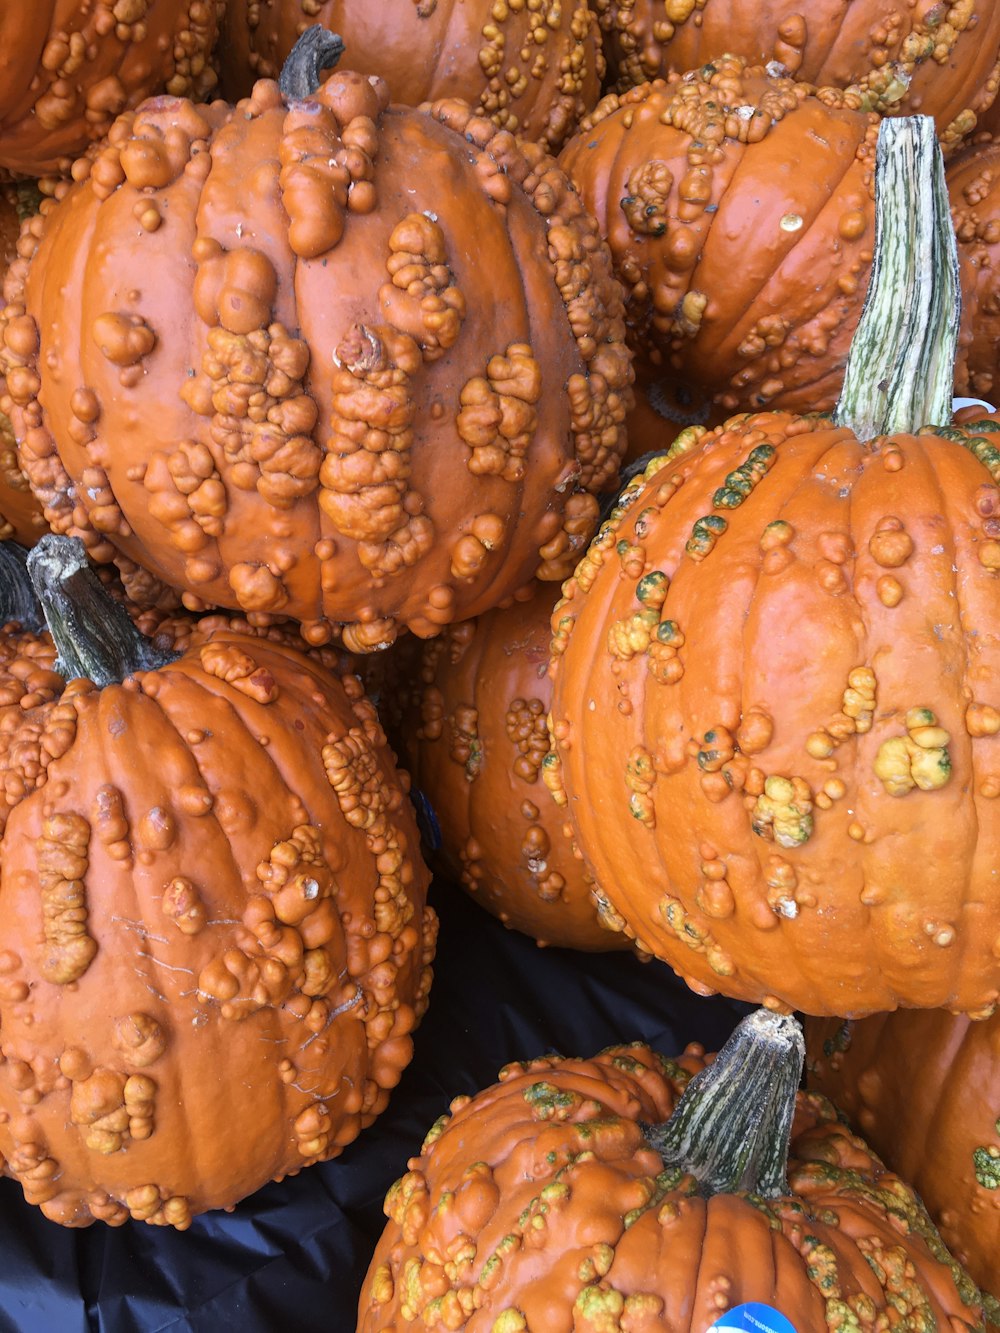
x: 752, y: 1318
x: 426, y: 820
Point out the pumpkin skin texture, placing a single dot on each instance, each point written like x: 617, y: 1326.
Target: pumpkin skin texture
x: 424, y: 443
x: 763, y: 800
x: 67, y: 68
x: 534, y: 70
x: 745, y: 262
x: 473, y: 737
x: 939, y: 1131
x: 940, y: 61
x: 538, y: 1205
x: 974, y: 189
x: 246, y: 913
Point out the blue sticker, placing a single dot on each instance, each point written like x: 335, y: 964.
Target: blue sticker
x: 753, y: 1318
x: 426, y: 820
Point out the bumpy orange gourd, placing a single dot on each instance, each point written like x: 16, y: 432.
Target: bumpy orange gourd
x: 214, y: 939
x: 68, y: 67
x: 923, y: 1088
x: 540, y: 1204
x: 974, y: 188
x: 21, y: 517
x: 937, y: 59
x: 534, y: 69
x: 473, y: 736
x: 356, y: 364
x: 739, y: 209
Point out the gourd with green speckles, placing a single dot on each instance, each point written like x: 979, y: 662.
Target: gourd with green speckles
x: 923, y: 1087
x: 828, y: 604
x: 629, y: 1193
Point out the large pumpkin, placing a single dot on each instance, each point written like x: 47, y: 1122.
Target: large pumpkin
x: 534, y: 69
x: 974, y: 189
x: 473, y: 736
x: 924, y: 1089
x: 320, y: 357
x: 214, y: 940
x: 938, y: 59
x: 68, y: 67
x: 775, y: 702
x: 739, y: 209
x: 559, y: 1200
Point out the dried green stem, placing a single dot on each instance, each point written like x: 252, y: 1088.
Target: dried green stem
x: 93, y: 634
x: 318, y: 49
x: 18, y: 603
x: 901, y: 367
x: 731, y: 1128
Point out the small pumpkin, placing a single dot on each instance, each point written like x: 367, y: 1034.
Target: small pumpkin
x: 533, y: 69
x: 210, y: 882
x: 377, y: 356
x: 775, y: 745
x: 922, y: 1087
x: 937, y: 59
x: 473, y: 736
x: 739, y: 209
x: 634, y: 1192
x: 974, y: 189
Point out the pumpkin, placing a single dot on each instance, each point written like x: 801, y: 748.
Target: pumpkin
x: 21, y: 517
x: 921, y: 1085
x: 663, y: 405
x: 68, y: 67
x: 210, y: 883
x: 974, y: 189
x: 938, y: 59
x: 27, y: 653
x: 472, y: 734
x: 739, y: 209
x: 634, y: 1192
x: 376, y: 355
x: 532, y: 69
x: 784, y: 778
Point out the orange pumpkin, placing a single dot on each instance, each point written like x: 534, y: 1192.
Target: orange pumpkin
x: 210, y: 882
x: 921, y: 1086
x: 376, y: 354
x: 532, y: 69
x: 784, y: 777
x: 974, y: 188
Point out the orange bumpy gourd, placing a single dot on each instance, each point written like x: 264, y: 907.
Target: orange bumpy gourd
x: 68, y: 67
x: 974, y: 189
x: 775, y: 703
x: 534, y: 69
x: 473, y: 736
x: 922, y: 1087
x: 937, y: 59
x: 559, y: 1199
x: 215, y: 945
x: 357, y: 364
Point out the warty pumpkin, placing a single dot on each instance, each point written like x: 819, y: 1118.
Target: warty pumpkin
x: 739, y: 209
x: 473, y: 735
x: 632, y: 1192
x: 215, y: 944
x: 68, y: 67
x: 974, y: 190
x: 937, y: 59
x: 357, y: 364
x: 775, y: 701
x: 922, y: 1087
x: 533, y: 69
x: 27, y: 653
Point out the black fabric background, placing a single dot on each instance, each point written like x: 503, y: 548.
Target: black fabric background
x: 294, y: 1255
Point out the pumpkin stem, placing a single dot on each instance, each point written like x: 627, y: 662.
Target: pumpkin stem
x: 730, y: 1129
x: 316, y: 50
x: 18, y: 602
x: 901, y: 367
x: 93, y: 634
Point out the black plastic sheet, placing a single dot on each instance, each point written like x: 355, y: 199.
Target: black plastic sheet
x: 294, y: 1255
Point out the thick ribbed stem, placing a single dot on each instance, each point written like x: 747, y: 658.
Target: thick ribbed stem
x: 18, y: 603
x: 901, y: 367
x: 318, y: 49
x: 730, y: 1129
x: 93, y: 634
